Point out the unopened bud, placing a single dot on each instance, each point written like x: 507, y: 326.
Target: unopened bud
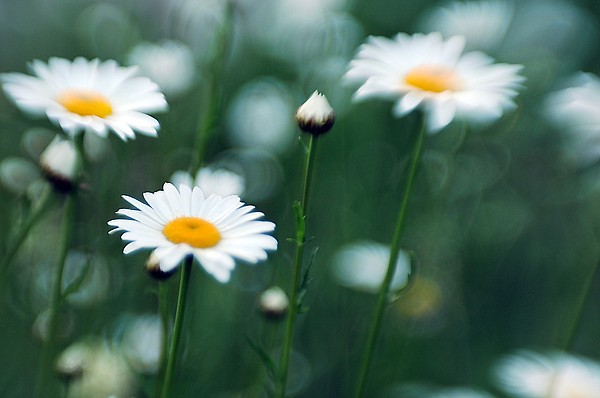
x: 60, y: 164
x: 273, y: 303
x: 315, y: 116
x: 153, y: 268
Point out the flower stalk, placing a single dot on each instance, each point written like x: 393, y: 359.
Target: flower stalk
x: 383, y: 296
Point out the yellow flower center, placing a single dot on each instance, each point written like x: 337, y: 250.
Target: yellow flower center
x: 433, y: 78
x: 194, y: 231
x: 85, y: 103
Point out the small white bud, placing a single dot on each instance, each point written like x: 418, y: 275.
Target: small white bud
x: 153, y: 268
x: 273, y: 303
x: 60, y: 164
x: 315, y: 116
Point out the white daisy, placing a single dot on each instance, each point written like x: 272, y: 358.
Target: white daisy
x: 212, y: 181
x: 180, y: 223
x: 89, y: 96
x: 527, y: 374
x: 428, y: 71
x: 483, y: 23
x: 575, y: 109
x: 362, y: 266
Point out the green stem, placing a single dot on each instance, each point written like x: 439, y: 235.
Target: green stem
x: 56, y: 300
x: 163, y: 310
x: 177, y: 327
x: 213, y: 90
x: 580, y: 306
x: 297, y: 270
x: 382, y: 298
x: 38, y: 211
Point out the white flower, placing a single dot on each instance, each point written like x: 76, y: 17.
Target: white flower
x: 483, y: 23
x: 315, y: 116
x: 575, y: 109
x: 363, y: 265
x: 212, y: 181
x: 170, y: 64
x: 180, y: 223
x: 428, y: 71
x: 142, y: 343
x: 89, y: 96
x: 460, y: 392
x: 527, y: 374
x: 60, y: 163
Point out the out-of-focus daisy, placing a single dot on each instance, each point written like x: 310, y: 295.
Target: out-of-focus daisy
x: 142, y: 342
x: 575, y: 109
x: 527, y: 374
x: 433, y: 73
x: 88, y: 96
x: 212, y: 181
x: 170, y: 64
x: 460, y: 392
x: 482, y: 23
x: 182, y: 222
x: 362, y: 266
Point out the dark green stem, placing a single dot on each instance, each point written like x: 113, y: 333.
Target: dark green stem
x: 57, y: 298
x: 382, y: 298
x: 297, y: 270
x: 177, y: 327
x: 163, y: 310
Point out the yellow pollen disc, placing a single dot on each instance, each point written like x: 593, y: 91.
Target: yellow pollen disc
x: 433, y: 78
x: 85, y: 103
x: 194, y: 231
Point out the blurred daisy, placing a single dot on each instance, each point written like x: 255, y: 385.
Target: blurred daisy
x: 170, y: 64
x: 88, y: 96
x: 460, y: 392
x: 178, y: 223
x: 527, y: 374
x: 482, y: 23
x: 362, y: 266
x: 575, y: 109
x: 212, y: 181
x: 428, y: 71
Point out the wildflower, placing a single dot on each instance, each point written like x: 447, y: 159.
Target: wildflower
x: 60, y: 164
x: 315, y: 116
x: 170, y: 64
x: 273, y: 303
x: 527, y: 374
x: 212, y: 181
x: 363, y: 265
x: 433, y: 73
x: 178, y: 223
x: 88, y: 96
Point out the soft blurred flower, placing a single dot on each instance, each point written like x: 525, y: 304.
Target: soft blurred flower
x: 416, y: 390
x: 212, y: 181
x: 528, y: 374
x: 575, y: 110
x: 177, y: 223
x: 142, y: 343
x: 88, y: 96
x: 17, y: 174
x: 60, y: 164
x: 273, y: 303
x: 315, y: 116
x: 460, y: 392
x: 95, y: 370
x: 362, y: 266
x: 482, y: 23
x: 169, y: 64
x: 428, y: 71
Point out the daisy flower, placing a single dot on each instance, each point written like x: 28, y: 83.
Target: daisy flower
x: 527, y: 374
x: 182, y: 222
x: 212, y: 181
x: 433, y: 73
x: 88, y: 96
x: 362, y: 266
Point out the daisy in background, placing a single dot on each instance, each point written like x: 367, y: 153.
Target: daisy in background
x: 362, y: 266
x: 424, y: 70
x: 88, y: 96
x: 212, y: 181
x: 528, y: 374
x: 575, y: 110
x: 177, y: 223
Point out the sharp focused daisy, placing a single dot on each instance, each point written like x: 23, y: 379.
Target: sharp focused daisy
x: 433, y: 73
x: 527, y: 374
x: 180, y: 223
x: 88, y: 96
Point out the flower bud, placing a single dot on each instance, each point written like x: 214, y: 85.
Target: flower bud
x: 315, y: 116
x: 273, y: 303
x: 60, y: 164
x: 153, y: 268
